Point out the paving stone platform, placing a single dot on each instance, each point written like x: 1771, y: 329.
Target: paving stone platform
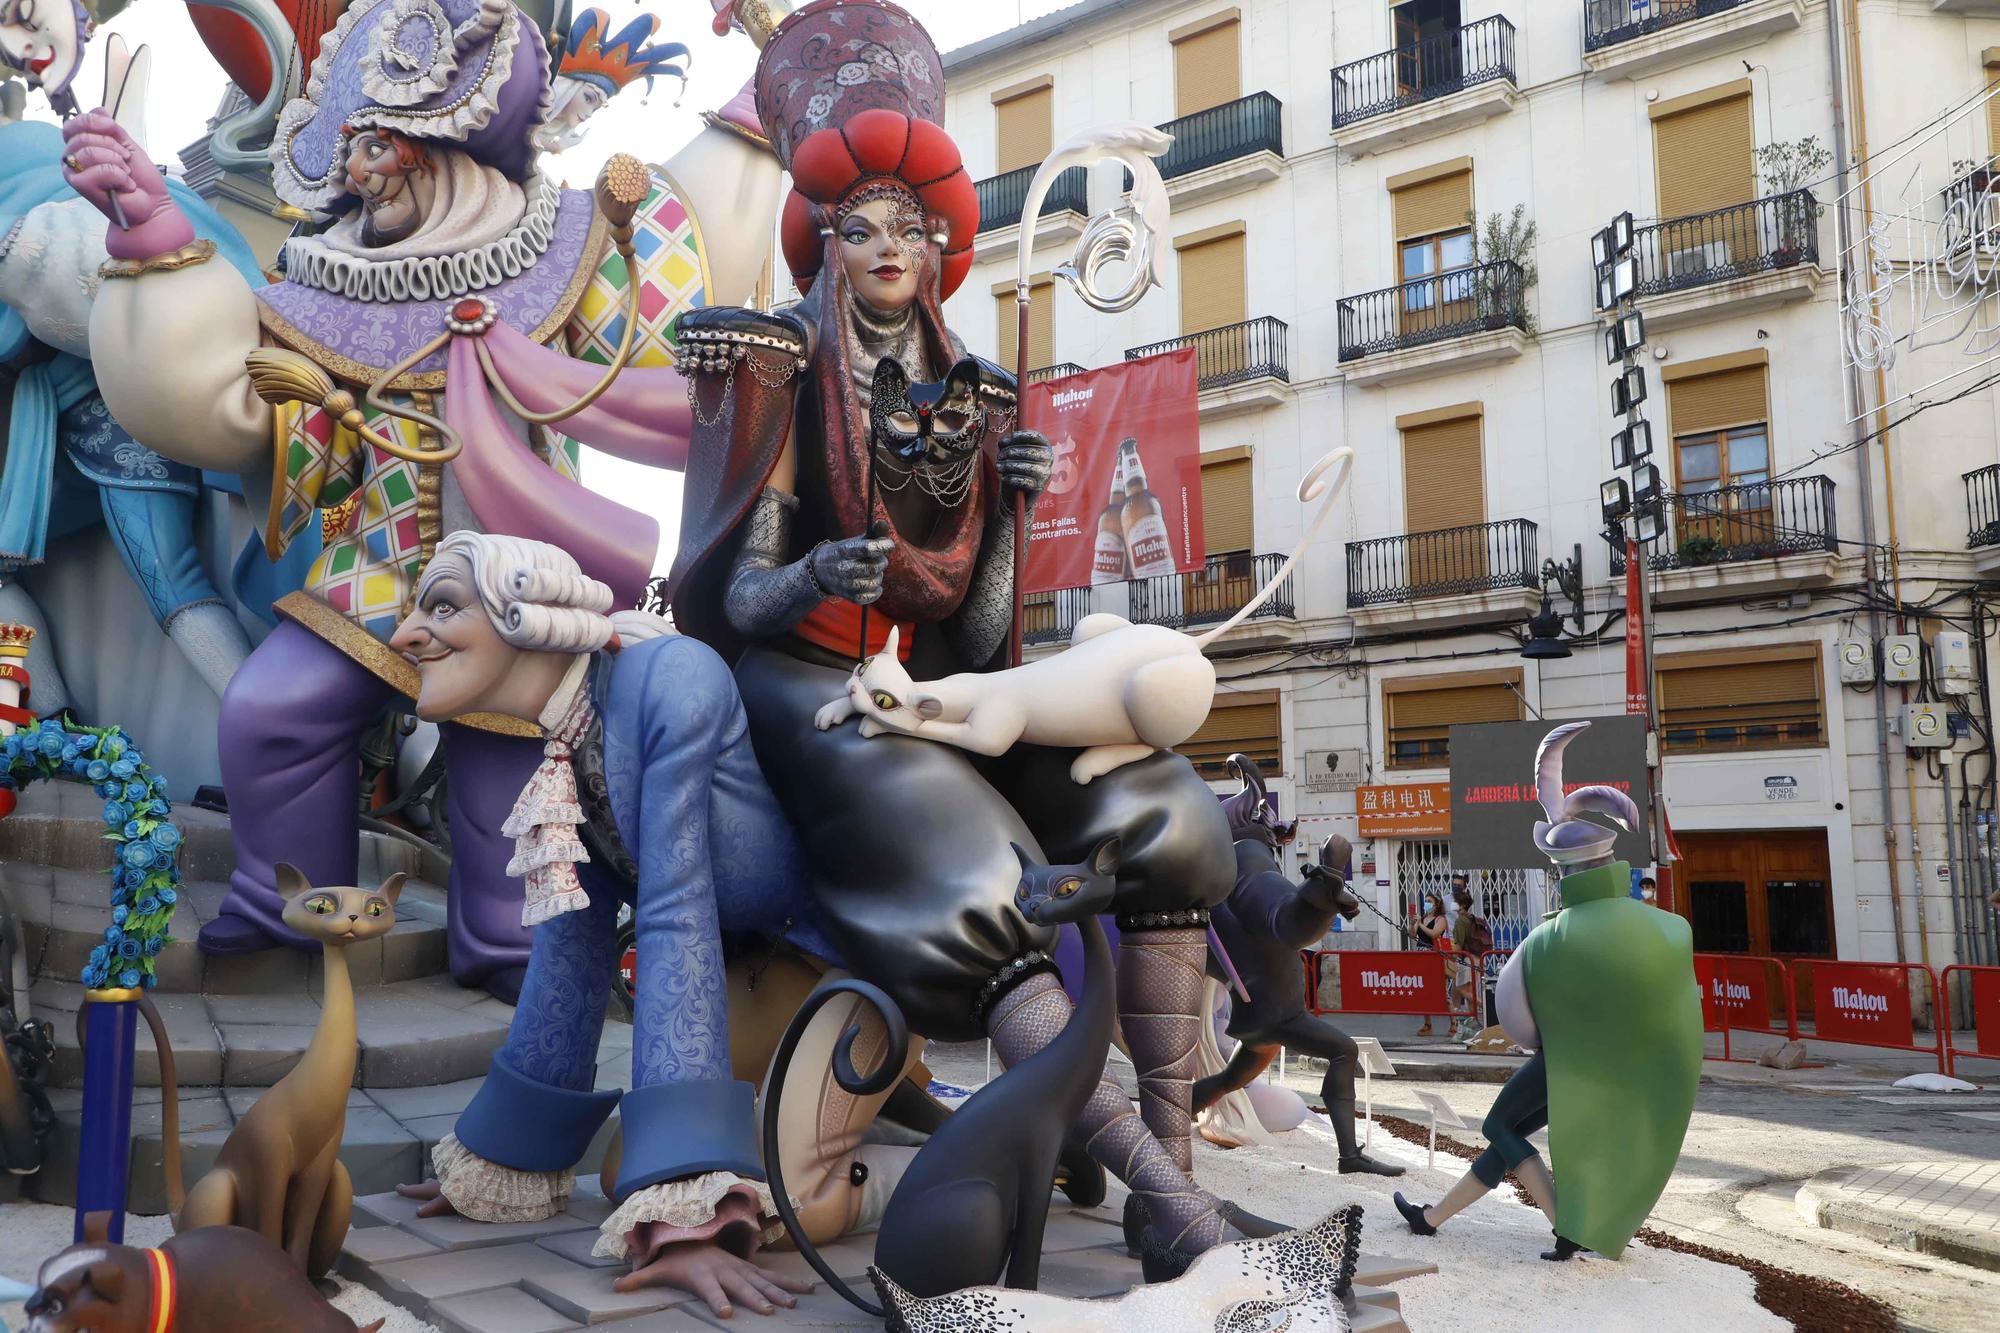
x: 1948, y: 1209
x: 539, y: 1277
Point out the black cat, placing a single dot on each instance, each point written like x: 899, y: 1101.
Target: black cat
x: 983, y: 1179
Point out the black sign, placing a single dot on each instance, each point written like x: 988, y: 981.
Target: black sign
x: 1493, y: 803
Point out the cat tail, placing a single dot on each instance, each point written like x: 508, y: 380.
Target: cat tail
x: 1312, y: 488
x: 170, y: 1099
x: 852, y: 1081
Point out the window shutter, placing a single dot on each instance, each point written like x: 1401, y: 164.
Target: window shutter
x: 1208, y: 69
x: 1041, y: 326
x: 1444, y: 475
x: 1433, y: 206
x: 1750, y: 700
x: 1212, y: 288
x: 1226, y: 507
x: 1238, y: 724
x: 1706, y: 158
x: 1024, y: 126
x: 1717, y: 402
x: 1418, y: 715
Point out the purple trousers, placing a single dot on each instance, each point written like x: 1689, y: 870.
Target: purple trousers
x: 292, y: 721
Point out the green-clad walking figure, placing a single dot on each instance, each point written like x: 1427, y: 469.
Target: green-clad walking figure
x: 1603, y: 992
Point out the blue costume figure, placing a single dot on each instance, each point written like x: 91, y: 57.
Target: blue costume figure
x: 70, y: 466
x: 649, y: 795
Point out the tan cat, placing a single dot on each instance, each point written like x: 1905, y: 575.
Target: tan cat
x: 279, y: 1172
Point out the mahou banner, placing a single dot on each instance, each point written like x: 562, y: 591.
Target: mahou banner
x: 1124, y: 500
x: 1382, y: 983
x: 1854, y: 1002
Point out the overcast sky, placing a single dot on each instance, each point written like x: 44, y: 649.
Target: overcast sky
x: 187, y: 85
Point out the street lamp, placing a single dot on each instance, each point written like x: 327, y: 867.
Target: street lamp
x: 1545, y: 627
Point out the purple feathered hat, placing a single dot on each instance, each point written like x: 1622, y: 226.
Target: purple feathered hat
x: 473, y: 74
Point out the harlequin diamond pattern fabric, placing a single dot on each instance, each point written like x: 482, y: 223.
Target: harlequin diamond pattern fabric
x: 667, y: 248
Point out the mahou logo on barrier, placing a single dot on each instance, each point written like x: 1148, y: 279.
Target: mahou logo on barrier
x: 1738, y: 991
x: 1986, y: 1011
x: 1385, y: 983
x: 1856, y: 1002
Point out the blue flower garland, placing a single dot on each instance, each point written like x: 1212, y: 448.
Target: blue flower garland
x: 146, y: 874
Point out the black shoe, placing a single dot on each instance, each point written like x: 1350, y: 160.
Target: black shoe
x: 1413, y: 1214
x: 211, y: 798
x: 505, y: 985
x: 1134, y: 1223
x: 1248, y: 1223
x: 1160, y: 1262
x: 1361, y: 1164
x: 1079, y: 1176
x: 1565, y: 1249
x: 231, y: 936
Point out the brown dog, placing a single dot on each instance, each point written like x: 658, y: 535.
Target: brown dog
x: 208, y: 1280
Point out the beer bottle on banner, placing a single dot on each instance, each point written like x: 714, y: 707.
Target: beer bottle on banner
x: 1109, y: 563
x: 1145, y: 525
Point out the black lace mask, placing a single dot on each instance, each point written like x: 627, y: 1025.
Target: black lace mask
x: 939, y: 423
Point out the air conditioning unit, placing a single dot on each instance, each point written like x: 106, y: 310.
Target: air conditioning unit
x: 1695, y: 260
x: 1926, y: 727
x: 1902, y: 658
x: 1333, y: 770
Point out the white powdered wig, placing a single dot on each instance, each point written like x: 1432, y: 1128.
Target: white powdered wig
x: 536, y: 595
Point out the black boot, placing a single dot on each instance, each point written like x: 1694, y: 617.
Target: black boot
x: 1565, y: 1249
x: 1362, y: 1164
x: 1134, y: 1223
x: 1079, y: 1176
x: 1413, y: 1214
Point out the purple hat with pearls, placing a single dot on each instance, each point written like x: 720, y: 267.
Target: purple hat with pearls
x: 473, y: 74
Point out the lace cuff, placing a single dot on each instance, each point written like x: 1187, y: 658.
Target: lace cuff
x: 488, y: 1192
x: 693, y: 1208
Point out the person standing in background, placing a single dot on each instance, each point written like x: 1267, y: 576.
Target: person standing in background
x: 1462, y: 932
x: 1434, y: 929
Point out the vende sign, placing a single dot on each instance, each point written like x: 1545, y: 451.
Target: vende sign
x: 1738, y: 991
x: 1858, y: 1003
x: 1383, y: 983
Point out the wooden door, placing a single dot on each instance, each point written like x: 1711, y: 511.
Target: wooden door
x: 1408, y: 76
x: 1765, y: 893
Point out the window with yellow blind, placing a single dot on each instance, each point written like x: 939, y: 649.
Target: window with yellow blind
x: 1247, y: 723
x: 1213, y: 294
x: 1024, y: 125
x: 1421, y: 713
x: 1753, y: 699
x: 1444, y: 500
x: 1041, y: 323
x: 1430, y: 210
x: 1704, y: 156
x: 1208, y: 60
x: 1225, y: 505
x: 1722, y: 451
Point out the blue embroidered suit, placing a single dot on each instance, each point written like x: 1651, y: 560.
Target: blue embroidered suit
x: 713, y: 854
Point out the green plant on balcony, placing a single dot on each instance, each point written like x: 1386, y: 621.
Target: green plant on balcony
x: 1700, y: 551
x: 1789, y: 170
x: 1504, y: 238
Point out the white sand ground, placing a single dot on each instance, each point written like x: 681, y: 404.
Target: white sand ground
x: 31, y: 1232
x: 1491, y: 1276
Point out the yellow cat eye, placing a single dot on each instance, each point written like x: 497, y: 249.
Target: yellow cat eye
x: 320, y: 906
x: 884, y: 701
x: 1067, y: 887
x: 376, y: 907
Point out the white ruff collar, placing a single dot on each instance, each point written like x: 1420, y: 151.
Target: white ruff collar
x: 311, y: 262
x: 546, y: 815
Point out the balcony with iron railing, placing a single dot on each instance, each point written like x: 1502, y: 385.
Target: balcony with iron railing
x: 1748, y: 535
x: 1224, y: 585
x: 1982, y: 507
x: 1637, y: 36
x: 1462, y: 562
x: 1484, y: 299
x: 1224, y: 149
x: 1051, y: 617
x: 1257, y: 349
x: 1762, y: 253
x: 1002, y: 197
x: 1060, y: 370
x: 1424, y: 72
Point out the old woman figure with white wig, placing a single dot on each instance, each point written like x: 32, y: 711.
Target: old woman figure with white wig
x: 647, y: 793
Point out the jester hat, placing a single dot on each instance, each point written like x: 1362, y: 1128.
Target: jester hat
x: 612, y: 61
x: 852, y: 95
x: 473, y: 74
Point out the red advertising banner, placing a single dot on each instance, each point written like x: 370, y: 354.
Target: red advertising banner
x: 1124, y: 500
x: 1739, y: 991
x: 1383, y: 983
x: 1636, y: 684
x: 1985, y: 1010
x: 1858, y: 1003
x: 1407, y: 810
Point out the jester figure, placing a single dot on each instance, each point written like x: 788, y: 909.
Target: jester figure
x: 824, y: 512
x: 428, y: 366
x: 595, y: 64
x: 1603, y: 992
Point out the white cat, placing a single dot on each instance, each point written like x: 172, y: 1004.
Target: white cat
x: 1119, y: 692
